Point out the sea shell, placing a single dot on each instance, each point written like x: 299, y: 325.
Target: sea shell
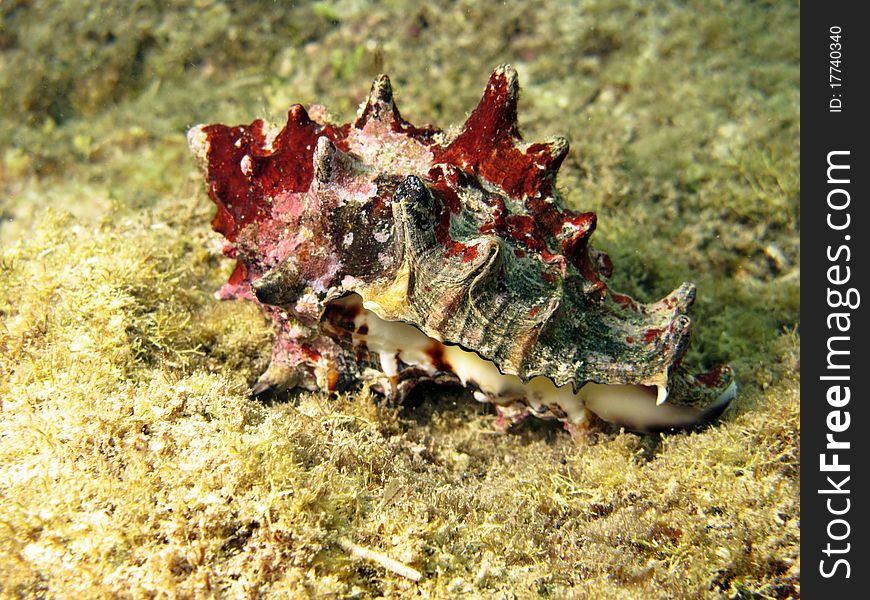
x: 394, y: 254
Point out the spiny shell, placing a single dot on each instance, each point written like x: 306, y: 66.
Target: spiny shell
x: 463, y: 237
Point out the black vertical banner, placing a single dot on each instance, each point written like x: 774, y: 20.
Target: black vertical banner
x: 835, y: 300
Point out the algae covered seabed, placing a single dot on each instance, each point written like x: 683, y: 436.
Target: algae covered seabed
x: 133, y: 462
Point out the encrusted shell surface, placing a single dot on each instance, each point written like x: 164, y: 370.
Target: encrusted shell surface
x: 463, y: 237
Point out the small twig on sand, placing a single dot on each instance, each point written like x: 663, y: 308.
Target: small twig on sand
x: 382, y: 559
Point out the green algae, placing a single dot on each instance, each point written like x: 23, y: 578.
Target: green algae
x: 133, y: 463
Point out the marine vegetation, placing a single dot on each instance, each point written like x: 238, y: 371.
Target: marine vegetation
x: 134, y: 461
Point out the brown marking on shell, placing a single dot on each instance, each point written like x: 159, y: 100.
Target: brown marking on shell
x: 332, y: 378
x: 341, y: 316
x: 435, y: 352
